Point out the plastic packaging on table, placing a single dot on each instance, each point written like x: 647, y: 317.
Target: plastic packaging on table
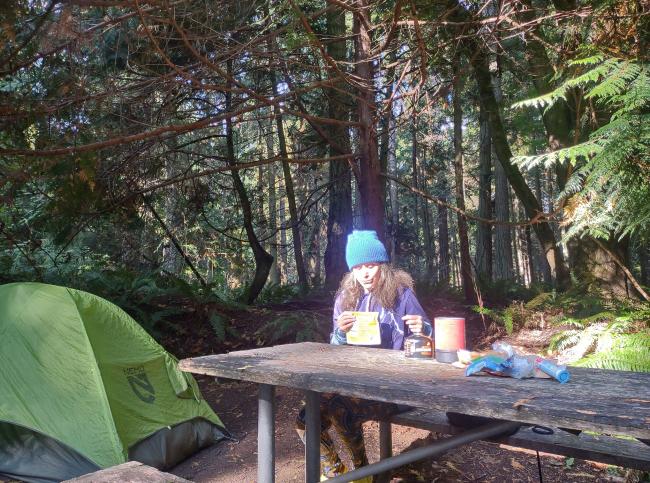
x: 504, y: 361
x: 520, y: 367
x: 489, y: 363
x: 559, y: 373
x: 503, y: 347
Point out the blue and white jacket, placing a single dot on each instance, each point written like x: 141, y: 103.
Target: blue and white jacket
x: 391, y: 324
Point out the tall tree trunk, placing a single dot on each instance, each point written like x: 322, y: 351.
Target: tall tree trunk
x: 539, y: 255
x: 272, y: 204
x: 599, y: 262
x: 173, y: 240
x: 372, y: 206
x: 556, y: 118
x: 339, y: 220
x: 484, y: 230
x: 478, y: 57
x: 443, y: 232
x: 312, y: 243
x: 392, y: 169
x: 273, y: 224
x: 530, y: 251
x: 516, y: 248
x: 429, y: 247
x: 263, y: 260
x: 387, y: 120
x: 303, y: 284
x: 416, y: 198
x: 644, y: 261
x: 543, y: 231
x: 558, y: 122
x: 284, y: 258
x: 502, y: 235
x: 463, y: 240
x: 172, y: 258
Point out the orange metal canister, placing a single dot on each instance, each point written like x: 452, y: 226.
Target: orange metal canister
x: 449, y: 337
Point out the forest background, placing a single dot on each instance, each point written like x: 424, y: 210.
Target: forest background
x: 168, y: 154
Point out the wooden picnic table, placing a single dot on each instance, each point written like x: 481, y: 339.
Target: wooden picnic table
x: 612, y: 402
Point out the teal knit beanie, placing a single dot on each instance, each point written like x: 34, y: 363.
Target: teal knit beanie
x: 364, y: 247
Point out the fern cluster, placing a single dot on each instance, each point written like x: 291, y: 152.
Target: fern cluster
x: 607, y: 340
x: 609, y: 189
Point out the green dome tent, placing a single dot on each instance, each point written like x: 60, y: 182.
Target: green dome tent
x: 84, y: 387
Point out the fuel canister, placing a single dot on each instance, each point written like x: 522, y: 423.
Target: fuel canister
x: 450, y: 337
x: 418, y: 346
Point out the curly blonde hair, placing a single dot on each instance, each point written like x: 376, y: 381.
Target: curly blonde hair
x: 391, y: 283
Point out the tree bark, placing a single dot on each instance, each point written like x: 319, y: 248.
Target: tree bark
x: 392, y: 169
x: 502, y: 235
x: 416, y: 198
x: 429, y: 246
x: 372, y: 206
x: 174, y: 241
x: 463, y: 240
x: 172, y: 256
x: 543, y: 231
x: 530, y: 251
x: 557, y: 119
x: 273, y: 215
x: 484, y: 230
x: 387, y: 124
x: 339, y: 220
x: 263, y: 260
x: 303, y: 284
x: 644, y: 261
x: 443, y: 233
x: 539, y: 255
x: 284, y: 258
x: 558, y: 122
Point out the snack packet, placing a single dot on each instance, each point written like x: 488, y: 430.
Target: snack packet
x: 365, y: 330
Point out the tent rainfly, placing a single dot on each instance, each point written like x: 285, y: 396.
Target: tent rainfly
x: 84, y: 387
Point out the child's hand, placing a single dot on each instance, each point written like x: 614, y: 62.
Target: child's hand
x: 345, y: 321
x: 414, y: 323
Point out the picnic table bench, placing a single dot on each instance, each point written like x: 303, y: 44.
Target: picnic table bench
x: 626, y: 452
x: 607, y: 402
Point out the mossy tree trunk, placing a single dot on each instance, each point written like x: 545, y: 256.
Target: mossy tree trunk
x: 339, y: 220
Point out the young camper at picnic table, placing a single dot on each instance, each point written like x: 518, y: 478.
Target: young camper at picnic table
x: 372, y: 285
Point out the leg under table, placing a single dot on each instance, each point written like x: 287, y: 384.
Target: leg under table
x: 266, y: 434
x: 312, y: 437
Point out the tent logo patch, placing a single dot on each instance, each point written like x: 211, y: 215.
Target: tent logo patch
x: 140, y: 384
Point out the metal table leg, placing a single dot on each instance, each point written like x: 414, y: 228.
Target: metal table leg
x: 266, y: 434
x: 435, y: 449
x: 385, y: 448
x: 312, y: 437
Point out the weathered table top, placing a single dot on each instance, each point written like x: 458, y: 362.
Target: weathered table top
x: 611, y: 402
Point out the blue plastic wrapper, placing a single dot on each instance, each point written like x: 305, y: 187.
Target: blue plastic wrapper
x: 510, y: 364
x: 489, y: 363
x: 520, y: 367
x: 560, y: 373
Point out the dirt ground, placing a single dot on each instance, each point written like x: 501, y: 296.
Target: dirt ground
x: 235, y: 402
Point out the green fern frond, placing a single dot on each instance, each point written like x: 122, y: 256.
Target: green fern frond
x: 573, y: 154
x: 592, y: 75
x: 617, y: 81
x: 609, y: 187
x: 625, y: 359
x: 545, y: 100
x: 591, y: 60
x: 563, y: 340
x: 640, y: 340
